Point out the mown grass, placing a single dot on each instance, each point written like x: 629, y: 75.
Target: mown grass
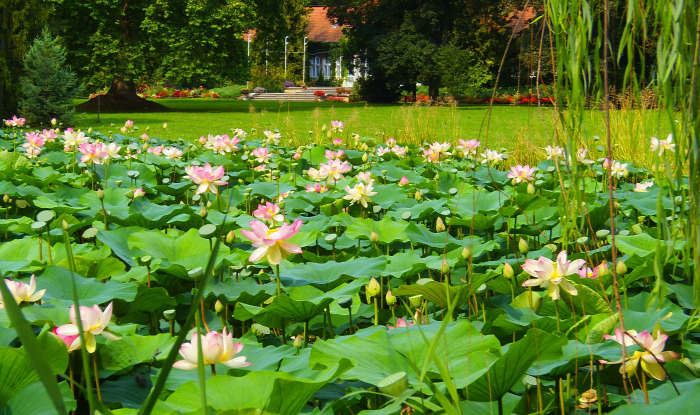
x: 520, y: 129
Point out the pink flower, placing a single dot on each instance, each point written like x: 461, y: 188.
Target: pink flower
x: 207, y: 178
x: 144, y: 136
x: 172, y: 153
x: 338, y: 142
x: 272, y: 243
x: 15, y: 122
x: 296, y: 155
x: 365, y: 176
x: 317, y: 188
x: 23, y: 292
x: 337, y: 126
x: 72, y: 342
x: 268, y: 212
x: 468, y: 147
x: 382, y: 151
x: 94, y: 322
x: 334, y: 169
x: 49, y: 135
x: 401, y: 323
x: 139, y: 192
x: 642, y: 187
x: 649, y: 357
x: 261, y: 154
x: 34, y: 143
x: 128, y: 124
x: 549, y: 274
x: 403, y: 181
x: 399, y: 151
x: 216, y: 348
x: 332, y: 154
x: 587, y: 272
x: 157, y: 150
x: 390, y: 142
x: 92, y: 153
x: 521, y: 174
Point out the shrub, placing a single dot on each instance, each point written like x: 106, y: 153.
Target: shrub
x: 49, y: 86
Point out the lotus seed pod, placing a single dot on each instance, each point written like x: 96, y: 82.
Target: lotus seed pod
x: 100, y: 194
x: 523, y: 247
x: 298, y: 341
x: 373, y: 288
x: 444, y: 266
x: 394, y: 385
x: 439, y: 225
x: 130, y: 194
x: 636, y: 229
x: 621, y: 268
x: 230, y: 237
x: 416, y: 300
x: 331, y: 238
x: 203, y: 212
x: 169, y: 315
x: 259, y: 330
x: 145, y: 260
x: 118, y: 183
x: 530, y: 189
x: 218, y: 307
x: 390, y: 298
x: 551, y: 247
x: 196, y: 273
x: 466, y: 253
x: 508, y: 271
x: 374, y: 237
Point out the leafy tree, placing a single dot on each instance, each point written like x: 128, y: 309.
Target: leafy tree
x: 20, y: 22
x: 199, y: 42
x: 49, y: 86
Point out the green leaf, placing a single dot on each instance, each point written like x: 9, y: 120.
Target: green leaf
x: 129, y: 351
x: 330, y: 274
x: 33, y: 400
x: 90, y: 291
x: 643, y: 245
x: 387, y: 230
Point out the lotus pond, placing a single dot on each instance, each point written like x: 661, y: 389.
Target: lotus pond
x: 236, y: 275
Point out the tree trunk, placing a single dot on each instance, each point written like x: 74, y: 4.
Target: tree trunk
x: 123, y: 88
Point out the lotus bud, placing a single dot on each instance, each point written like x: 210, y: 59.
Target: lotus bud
x: 373, y: 289
x: 416, y: 300
x: 165, y: 125
x: 53, y: 121
x: 390, y: 298
x: 145, y: 146
x: 203, y: 212
x: 466, y: 253
x: 169, y: 315
x: 606, y: 164
x: 365, y: 157
x: 603, y: 269
x: 523, y: 247
x: 621, y: 268
x: 508, y: 271
x: 374, y: 237
x: 530, y: 189
x: 298, y: 341
x: 6, y: 198
x: 64, y: 224
x: 100, y: 194
x: 419, y: 195
x: 439, y: 225
x: 218, y: 307
x: 230, y: 237
x: 324, y: 127
x: 444, y: 266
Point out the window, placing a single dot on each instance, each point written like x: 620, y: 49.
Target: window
x: 326, y: 68
x: 339, y: 68
x: 315, y: 67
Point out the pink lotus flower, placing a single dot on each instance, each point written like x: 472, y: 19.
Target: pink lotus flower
x: 399, y: 151
x: 92, y: 153
x: 642, y: 187
x: 549, y: 274
x: 468, y: 147
x: 72, y: 342
x: 316, y: 188
x: 261, y: 167
x: 491, y: 157
x: 296, y: 155
x: 521, y: 174
x: 129, y: 124
x: 332, y: 154
x: 269, y: 212
x: 360, y: 193
x: 144, y: 136
x: 157, y: 150
x: 587, y: 272
x: 365, y: 176
x: 403, y: 181
x: 337, y: 126
x: 554, y: 152
x: 338, y: 142
x: 660, y: 146
x: 335, y: 169
x: 34, y: 144
x: 400, y: 323
x: 391, y: 141
x: 49, y: 135
x: 261, y: 154
x: 23, y: 292
x: 207, y: 178
x: 15, y: 122
x: 649, y: 357
x: 216, y: 348
x: 112, y: 151
x: 94, y: 322
x: 382, y: 151
x: 139, y: 192
x: 172, y: 153
x: 272, y: 243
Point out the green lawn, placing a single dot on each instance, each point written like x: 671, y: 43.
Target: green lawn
x: 518, y: 128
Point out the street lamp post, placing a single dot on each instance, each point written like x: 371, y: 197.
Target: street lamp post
x: 286, y: 42
x: 303, y: 71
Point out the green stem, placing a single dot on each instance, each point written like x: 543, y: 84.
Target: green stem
x: 330, y: 322
x: 306, y: 333
x: 279, y: 285
x: 376, y: 312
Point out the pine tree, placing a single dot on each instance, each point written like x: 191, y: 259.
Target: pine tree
x: 49, y: 85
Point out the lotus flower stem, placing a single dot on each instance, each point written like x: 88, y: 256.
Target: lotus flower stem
x: 213, y: 370
x: 48, y: 243
x: 376, y: 312
x: 556, y: 308
x: 350, y: 317
x: 644, y: 387
x: 306, y: 333
x: 330, y: 322
x: 97, y: 377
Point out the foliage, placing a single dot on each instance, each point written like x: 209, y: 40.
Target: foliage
x: 49, y: 85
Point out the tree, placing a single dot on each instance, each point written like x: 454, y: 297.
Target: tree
x: 49, y: 85
x: 20, y: 22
